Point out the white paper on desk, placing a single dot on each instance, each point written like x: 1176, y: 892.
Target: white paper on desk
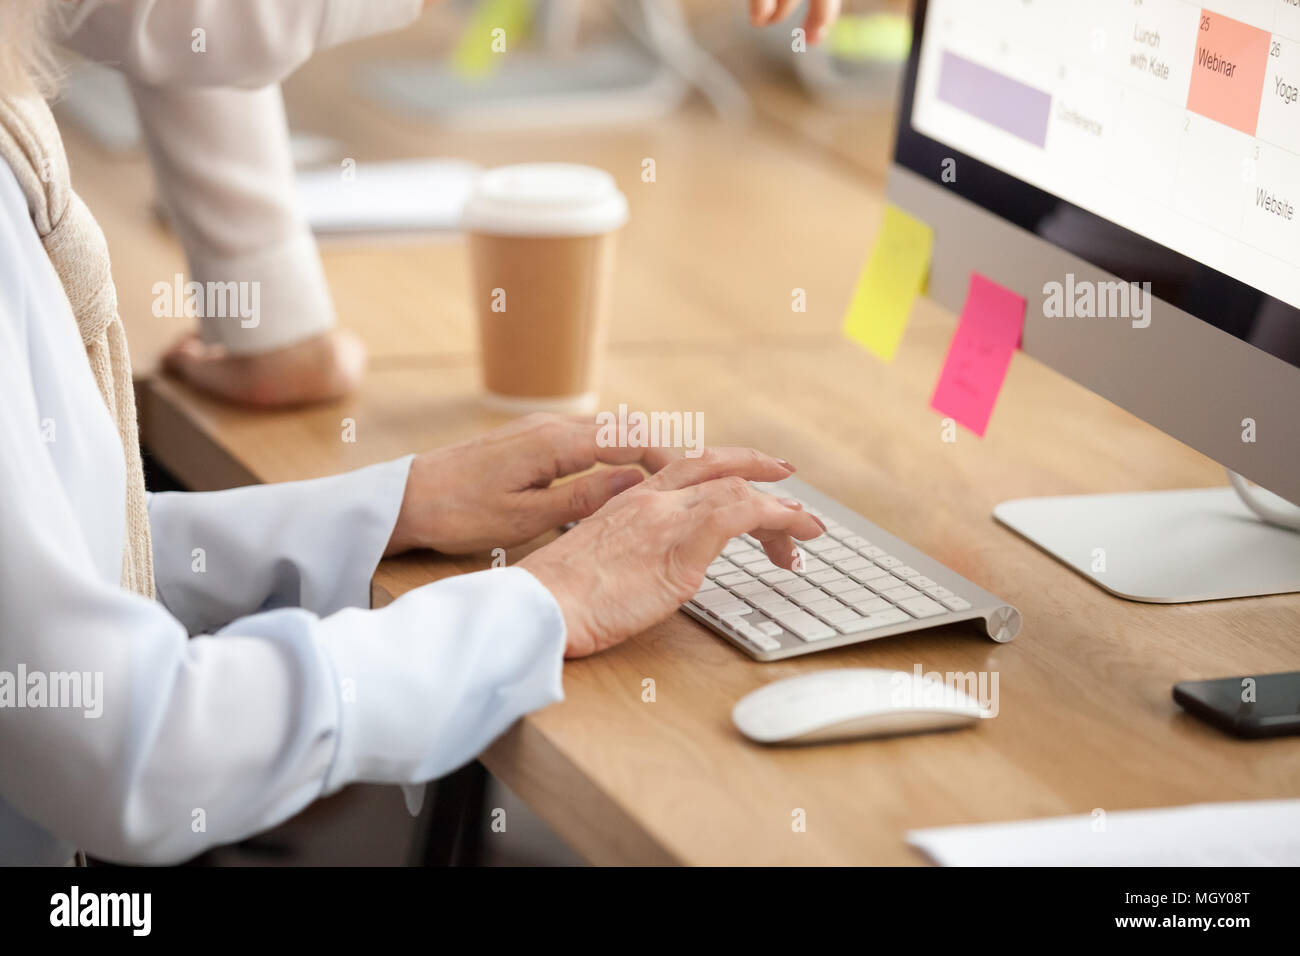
x: 403, y: 196
x: 1258, y: 833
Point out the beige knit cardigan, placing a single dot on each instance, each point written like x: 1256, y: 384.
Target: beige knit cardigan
x: 31, y: 145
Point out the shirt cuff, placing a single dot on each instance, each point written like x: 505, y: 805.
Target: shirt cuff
x: 353, y: 19
x: 312, y: 544
x: 449, y: 667
x: 275, y: 296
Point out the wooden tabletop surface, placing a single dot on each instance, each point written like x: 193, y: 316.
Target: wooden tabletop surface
x: 1085, y: 719
x: 736, y: 220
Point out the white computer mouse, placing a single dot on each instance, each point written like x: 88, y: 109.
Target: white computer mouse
x: 851, y: 702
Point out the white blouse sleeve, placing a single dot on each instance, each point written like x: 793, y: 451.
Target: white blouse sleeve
x: 311, y: 544
x: 204, y: 741
x: 247, y: 43
x: 221, y: 154
x: 223, y: 166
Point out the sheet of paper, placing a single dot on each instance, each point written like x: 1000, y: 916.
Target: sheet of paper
x: 894, y: 275
x: 418, y: 195
x: 1257, y: 833
x: 980, y: 354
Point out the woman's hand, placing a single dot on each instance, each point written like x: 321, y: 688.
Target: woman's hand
x: 644, y: 553
x: 821, y: 14
x: 495, y: 490
x: 319, y: 369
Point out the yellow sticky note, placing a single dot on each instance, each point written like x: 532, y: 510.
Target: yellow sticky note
x: 883, y: 37
x: 493, y: 29
x: 893, y: 277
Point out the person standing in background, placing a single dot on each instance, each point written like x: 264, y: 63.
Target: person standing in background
x: 215, y: 129
x: 214, y: 125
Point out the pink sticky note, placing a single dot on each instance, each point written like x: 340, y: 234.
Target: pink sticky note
x: 980, y: 354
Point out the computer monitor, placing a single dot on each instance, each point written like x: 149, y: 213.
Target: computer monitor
x: 1067, y: 150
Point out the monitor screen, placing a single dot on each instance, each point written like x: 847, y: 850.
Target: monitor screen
x: 1157, y: 139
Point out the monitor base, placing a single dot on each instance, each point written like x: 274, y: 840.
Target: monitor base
x: 1162, y: 547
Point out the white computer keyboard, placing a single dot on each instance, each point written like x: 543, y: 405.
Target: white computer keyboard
x: 858, y: 583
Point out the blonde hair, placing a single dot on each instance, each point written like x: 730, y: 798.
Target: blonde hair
x: 26, y: 60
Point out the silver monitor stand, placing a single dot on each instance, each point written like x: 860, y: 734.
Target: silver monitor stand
x: 1162, y: 547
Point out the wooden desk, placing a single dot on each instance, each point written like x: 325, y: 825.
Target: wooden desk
x: 1086, y: 718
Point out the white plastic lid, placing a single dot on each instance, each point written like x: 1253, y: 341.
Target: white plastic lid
x: 545, y: 199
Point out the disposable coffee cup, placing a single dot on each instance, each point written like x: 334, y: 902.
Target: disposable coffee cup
x: 541, y: 241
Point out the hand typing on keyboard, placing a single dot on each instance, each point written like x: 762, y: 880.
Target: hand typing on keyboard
x: 857, y: 582
x: 644, y: 553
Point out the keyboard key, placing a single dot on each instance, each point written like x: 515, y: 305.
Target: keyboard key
x: 841, y: 618
x: 790, y: 588
x: 838, y: 554
x: 761, y: 567
x: 770, y: 628
x: 826, y: 577
x: 856, y: 541
x: 818, y: 545
x: 887, y: 583
x: 823, y: 606
x: 708, y: 585
x: 922, y: 582
x: 871, y: 605
x: 871, y: 551
x: 760, y: 640
x: 735, y: 546
x: 727, y: 609
x: 734, y: 621
x: 837, y: 530
x: 905, y: 593
x: 771, y: 597
x: 805, y: 626
x: 939, y: 592
x: 720, y: 567
x: 715, y: 596
x: 865, y: 575
x: 888, y: 561
x: 955, y: 603
x: 904, y: 572
x: 921, y: 607
x: 751, y: 630
x: 806, y: 599
x: 752, y: 589
x: 873, y: 621
x: 839, y: 587
x: 748, y: 557
x: 731, y: 580
x: 858, y: 593
x: 777, y: 576
x: 779, y: 607
x: 814, y: 564
x: 855, y: 563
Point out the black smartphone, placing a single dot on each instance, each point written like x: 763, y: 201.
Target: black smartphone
x: 1267, y: 705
